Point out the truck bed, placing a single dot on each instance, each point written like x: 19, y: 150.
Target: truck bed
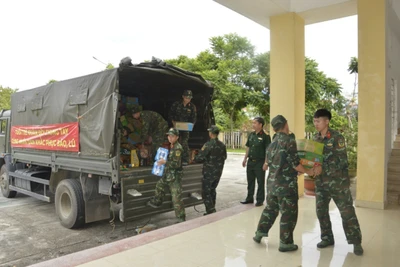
x: 141, y: 180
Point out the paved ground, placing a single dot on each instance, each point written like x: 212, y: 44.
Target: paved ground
x: 30, y: 231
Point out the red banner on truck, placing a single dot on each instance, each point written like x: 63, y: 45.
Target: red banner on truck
x: 59, y: 137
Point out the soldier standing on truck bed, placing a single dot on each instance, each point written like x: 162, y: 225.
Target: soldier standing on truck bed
x: 184, y: 111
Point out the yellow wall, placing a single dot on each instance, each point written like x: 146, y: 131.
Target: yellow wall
x: 288, y: 73
x: 372, y: 104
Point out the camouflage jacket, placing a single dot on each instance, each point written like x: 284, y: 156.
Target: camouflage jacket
x: 153, y: 124
x: 335, y: 165
x: 179, y: 112
x: 174, y: 161
x: 282, y: 160
x: 213, y: 154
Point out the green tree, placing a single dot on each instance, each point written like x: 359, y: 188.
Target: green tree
x: 52, y: 81
x: 233, y: 69
x: 353, y: 69
x: 321, y: 92
x: 241, y: 78
x: 351, y: 131
x: 5, y: 97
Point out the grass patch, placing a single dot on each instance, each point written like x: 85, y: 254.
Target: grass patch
x: 239, y: 150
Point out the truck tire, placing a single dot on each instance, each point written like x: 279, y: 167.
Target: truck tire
x: 69, y: 202
x: 5, y: 189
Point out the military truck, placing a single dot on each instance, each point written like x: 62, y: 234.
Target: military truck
x: 61, y: 142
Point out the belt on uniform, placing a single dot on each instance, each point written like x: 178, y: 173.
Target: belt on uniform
x: 255, y: 159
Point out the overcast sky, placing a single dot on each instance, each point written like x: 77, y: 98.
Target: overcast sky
x: 43, y: 40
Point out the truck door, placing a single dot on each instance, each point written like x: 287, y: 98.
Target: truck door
x: 3, y: 132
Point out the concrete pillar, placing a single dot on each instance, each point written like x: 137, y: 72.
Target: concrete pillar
x: 287, y: 73
x: 372, y: 156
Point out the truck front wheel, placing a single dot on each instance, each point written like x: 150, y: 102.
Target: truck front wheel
x: 4, y: 183
x: 70, y: 205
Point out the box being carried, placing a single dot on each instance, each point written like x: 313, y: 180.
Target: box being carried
x: 310, y: 153
x: 162, y: 153
x: 184, y: 126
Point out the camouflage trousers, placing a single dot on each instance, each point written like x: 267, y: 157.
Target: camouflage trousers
x: 344, y: 202
x: 184, y: 141
x: 210, y: 183
x: 288, y: 206
x: 173, y: 181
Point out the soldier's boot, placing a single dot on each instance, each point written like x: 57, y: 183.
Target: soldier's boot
x: 358, y: 250
x: 259, y: 235
x: 287, y: 247
x: 152, y: 203
x: 181, y: 220
x: 209, y: 212
x: 325, y: 243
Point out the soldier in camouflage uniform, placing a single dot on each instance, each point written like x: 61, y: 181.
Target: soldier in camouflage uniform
x: 184, y: 111
x: 213, y: 154
x: 333, y: 182
x: 172, y: 177
x: 282, y: 189
x: 154, y: 125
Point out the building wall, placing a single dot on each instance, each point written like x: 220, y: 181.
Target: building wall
x: 392, y: 72
x: 393, y: 57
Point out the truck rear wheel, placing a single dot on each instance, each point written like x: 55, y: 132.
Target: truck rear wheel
x: 69, y: 202
x: 4, y: 183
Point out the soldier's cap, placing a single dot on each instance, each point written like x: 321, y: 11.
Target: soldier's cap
x: 213, y: 129
x: 278, y: 122
x: 188, y: 93
x: 135, y: 109
x: 173, y: 131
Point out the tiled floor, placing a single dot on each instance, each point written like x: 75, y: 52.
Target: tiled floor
x: 228, y: 242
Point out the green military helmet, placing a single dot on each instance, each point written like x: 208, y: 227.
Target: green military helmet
x: 213, y: 129
x: 278, y: 122
x: 188, y: 93
x: 173, y: 131
x: 135, y: 109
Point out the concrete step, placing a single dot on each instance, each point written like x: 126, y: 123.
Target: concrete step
x: 394, y: 160
x: 395, y: 152
x: 396, y: 144
x: 394, y: 188
x: 392, y: 180
x: 393, y: 168
x: 393, y: 197
x: 393, y: 176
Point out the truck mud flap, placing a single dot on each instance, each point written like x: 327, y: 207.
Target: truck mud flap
x: 139, y: 186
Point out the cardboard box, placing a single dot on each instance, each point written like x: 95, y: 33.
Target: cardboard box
x: 128, y: 100
x: 310, y: 146
x: 184, y: 126
x: 309, y: 159
x: 310, y: 153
